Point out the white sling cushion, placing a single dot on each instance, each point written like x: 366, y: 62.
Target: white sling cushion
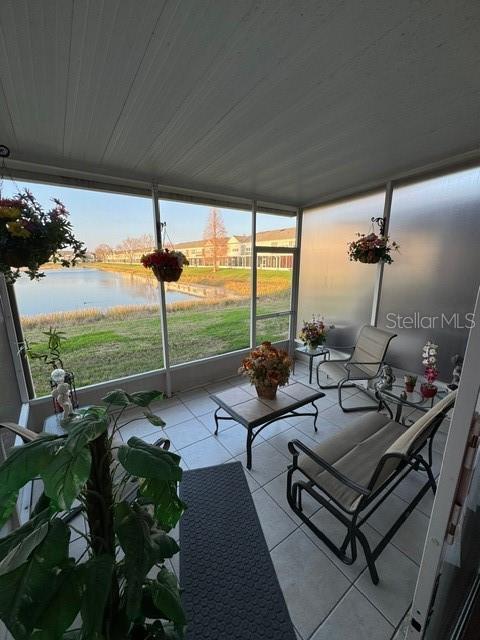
x: 371, y: 346
x: 357, y: 450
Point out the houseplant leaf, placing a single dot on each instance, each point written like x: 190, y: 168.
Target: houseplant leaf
x: 167, y: 506
x: 66, y: 475
x: 154, y: 419
x: 132, y: 532
x: 17, y: 535
x: 62, y: 607
x: 118, y: 398
x: 86, y: 426
x: 26, y: 591
x: 19, y: 554
x: 144, y: 398
x: 147, y: 461
x: 97, y: 580
x: 23, y: 464
x: 166, y: 596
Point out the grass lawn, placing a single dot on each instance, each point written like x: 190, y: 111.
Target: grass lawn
x: 108, y: 346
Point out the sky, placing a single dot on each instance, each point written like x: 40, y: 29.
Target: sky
x: 99, y: 217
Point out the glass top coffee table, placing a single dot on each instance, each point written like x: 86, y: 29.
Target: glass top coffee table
x: 257, y: 413
x: 402, y: 399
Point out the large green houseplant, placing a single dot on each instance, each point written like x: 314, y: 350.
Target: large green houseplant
x: 121, y: 588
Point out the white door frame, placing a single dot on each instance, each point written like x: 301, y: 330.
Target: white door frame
x: 434, y: 549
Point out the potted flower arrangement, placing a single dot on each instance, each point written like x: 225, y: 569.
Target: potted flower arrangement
x: 30, y: 236
x: 166, y: 265
x: 314, y: 333
x: 268, y: 368
x: 372, y: 248
x: 410, y: 382
x: 429, y: 355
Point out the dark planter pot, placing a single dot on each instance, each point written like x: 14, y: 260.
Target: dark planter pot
x: 409, y: 387
x: 24, y: 256
x: 267, y: 392
x: 428, y: 390
x: 167, y: 274
x: 369, y: 259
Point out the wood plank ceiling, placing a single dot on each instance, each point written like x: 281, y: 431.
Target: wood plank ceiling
x: 283, y: 100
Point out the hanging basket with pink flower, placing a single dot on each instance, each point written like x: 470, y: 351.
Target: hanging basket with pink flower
x: 31, y: 236
x: 167, y: 265
x: 372, y: 248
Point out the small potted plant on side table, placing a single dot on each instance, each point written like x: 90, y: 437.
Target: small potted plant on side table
x: 410, y: 382
x: 268, y: 368
x: 429, y: 355
x: 314, y: 333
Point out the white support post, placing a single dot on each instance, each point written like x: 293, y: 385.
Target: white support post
x: 377, y: 292
x: 253, y: 280
x: 434, y: 549
x: 295, y: 284
x: 161, y: 289
x: 13, y: 341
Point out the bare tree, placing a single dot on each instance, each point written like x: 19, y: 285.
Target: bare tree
x: 146, y: 242
x: 128, y: 247
x: 102, y: 251
x: 215, y: 236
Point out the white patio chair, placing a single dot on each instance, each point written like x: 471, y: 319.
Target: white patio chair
x: 364, y: 364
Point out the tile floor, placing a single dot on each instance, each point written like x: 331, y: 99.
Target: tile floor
x: 326, y: 598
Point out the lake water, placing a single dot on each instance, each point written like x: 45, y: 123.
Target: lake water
x: 71, y: 289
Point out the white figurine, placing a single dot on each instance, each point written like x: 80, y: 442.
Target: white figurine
x: 61, y: 394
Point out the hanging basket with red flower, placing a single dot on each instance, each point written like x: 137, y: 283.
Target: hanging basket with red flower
x: 166, y: 265
x: 31, y: 236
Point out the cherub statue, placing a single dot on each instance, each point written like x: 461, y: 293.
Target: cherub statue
x: 61, y: 394
x: 386, y: 379
x: 457, y: 362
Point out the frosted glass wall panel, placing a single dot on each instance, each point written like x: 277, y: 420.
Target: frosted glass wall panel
x: 331, y: 285
x: 430, y: 289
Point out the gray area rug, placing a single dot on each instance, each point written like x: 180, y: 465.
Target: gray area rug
x: 230, y: 588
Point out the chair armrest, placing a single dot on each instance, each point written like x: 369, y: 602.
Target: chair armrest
x: 338, y: 475
x: 25, y: 434
x: 352, y: 363
x: 340, y: 360
x: 335, y: 347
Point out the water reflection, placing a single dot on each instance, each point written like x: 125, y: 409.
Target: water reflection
x: 72, y: 289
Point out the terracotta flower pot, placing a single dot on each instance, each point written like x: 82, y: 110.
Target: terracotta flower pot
x: 409, y: 387
x: 428, y: 390
x: 267, y: 392
x: 167, y: 274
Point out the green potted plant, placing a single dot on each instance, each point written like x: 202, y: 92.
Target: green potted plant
x: 30, y: 236
x: 410, y: 382
x: 268, y: 368
x: 120, y: 589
